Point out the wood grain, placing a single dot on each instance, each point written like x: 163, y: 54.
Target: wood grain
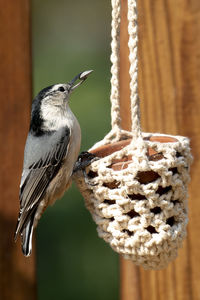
x: 169, y: 77
x: 17, y: 273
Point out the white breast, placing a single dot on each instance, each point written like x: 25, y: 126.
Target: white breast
x: 62, y: 180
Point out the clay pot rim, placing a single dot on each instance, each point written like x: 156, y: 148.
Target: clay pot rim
x: 108, y: 149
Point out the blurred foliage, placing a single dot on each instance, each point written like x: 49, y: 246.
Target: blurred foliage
x: 69, y: 37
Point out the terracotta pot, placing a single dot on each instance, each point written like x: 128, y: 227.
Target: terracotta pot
x: 140, y: 211
x: 120, y: 164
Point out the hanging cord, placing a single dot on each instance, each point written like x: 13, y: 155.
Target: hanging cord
x: 116, y: 132
x: 133, y: 71
x: 115, y: 60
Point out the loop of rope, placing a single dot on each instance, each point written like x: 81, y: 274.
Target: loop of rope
x: 133, y: 71
x: 115, y: 45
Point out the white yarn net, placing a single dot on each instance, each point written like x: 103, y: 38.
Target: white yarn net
x: 137, y: 190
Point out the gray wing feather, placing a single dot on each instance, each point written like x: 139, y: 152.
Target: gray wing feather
x: 37, y: 175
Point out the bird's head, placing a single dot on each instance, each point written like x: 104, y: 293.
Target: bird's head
x: 51, y: 103
x: 58, y: 94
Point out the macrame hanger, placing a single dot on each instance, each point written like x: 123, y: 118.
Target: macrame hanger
x: 124, y: 188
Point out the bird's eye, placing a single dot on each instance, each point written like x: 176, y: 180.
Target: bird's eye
x: 61, y: 89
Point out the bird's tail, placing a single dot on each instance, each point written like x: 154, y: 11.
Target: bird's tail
x: 26, y: 237
x: 26, y: 232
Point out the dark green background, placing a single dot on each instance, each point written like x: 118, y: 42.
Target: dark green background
x: 67, y: 38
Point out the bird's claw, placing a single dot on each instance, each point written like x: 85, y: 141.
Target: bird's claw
x: 84, y: 160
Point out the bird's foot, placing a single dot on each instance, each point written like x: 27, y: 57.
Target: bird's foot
x: 83, y: 161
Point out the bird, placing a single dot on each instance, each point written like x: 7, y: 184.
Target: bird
x: 50, y: 153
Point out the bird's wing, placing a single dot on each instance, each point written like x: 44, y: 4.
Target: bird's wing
x: 37, y: 176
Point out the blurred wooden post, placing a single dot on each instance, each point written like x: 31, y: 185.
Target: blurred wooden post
x: 17, y: 274
x: 169, y: 88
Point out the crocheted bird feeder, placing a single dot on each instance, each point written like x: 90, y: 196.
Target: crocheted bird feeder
x: 137, y: 190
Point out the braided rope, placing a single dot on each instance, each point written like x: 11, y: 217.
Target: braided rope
x: 133, y: 71
x: 115, y: 46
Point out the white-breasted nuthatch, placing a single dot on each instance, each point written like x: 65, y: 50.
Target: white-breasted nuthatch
x: 51, y: 150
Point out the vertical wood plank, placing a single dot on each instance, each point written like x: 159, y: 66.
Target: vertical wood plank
x: 169, y: 76
x: 17, y: 273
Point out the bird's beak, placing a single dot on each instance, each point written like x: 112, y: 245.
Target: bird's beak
x: 82, y: 77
